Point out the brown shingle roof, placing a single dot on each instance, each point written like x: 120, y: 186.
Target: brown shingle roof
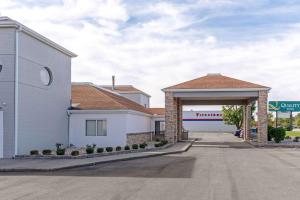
x: 124, y: 89
x: 157, y: 111
x: 215, y: 81
x: 90, y: 97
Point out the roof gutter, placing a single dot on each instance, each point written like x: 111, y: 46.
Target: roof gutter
x: 7, y: 22
x: 217, y: 90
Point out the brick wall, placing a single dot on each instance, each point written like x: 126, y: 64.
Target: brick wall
x: 138, y: 138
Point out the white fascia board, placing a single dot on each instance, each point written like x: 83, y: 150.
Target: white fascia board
x: 9, y: 23
x: 108, y: 112
x: 217, y: 90
x: 48, y: 42
x: 134, y: 92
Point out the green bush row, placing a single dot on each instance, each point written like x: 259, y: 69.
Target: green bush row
x: 90, y: 149
x: 161, y: 143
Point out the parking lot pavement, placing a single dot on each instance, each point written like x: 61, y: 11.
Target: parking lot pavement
x: 203, y: 172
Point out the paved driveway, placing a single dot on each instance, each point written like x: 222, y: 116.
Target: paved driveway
x: 223, y: 169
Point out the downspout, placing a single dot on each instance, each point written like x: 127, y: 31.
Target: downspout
x: 17, y: 89
x: 69, y: 115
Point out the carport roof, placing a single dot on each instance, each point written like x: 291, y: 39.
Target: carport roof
x: 215, y: 82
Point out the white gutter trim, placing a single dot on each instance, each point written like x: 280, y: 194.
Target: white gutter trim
x: 70, y: 112
x: 48, y: 42
x: 217, y: 90
x: 7, y: 22
x: 17, y: 89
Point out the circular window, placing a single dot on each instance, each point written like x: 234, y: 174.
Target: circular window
x: 1, y: 65
x: 46, y: 76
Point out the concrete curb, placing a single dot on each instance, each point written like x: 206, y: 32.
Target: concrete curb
x: 286, y: 146
x: 184, y: 149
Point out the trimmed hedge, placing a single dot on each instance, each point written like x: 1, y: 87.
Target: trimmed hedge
x: 100, y: 150
x: 135, y: 146
x: 60, y: 152
x: 109, y: 149
x: 127, y: 148
x: 47, y: 152
x: 142, y: 146
x: 162, y: 143
x: 75, y: 153
x: 277, y: 134
x: 34, y: 152
x: 89, y: 150
x: 118, y: 148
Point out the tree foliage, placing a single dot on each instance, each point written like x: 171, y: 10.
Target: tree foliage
x: 233, y: 115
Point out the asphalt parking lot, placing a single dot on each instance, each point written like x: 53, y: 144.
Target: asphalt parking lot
x: 221, y: 167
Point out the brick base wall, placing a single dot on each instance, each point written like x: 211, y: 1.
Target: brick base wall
x: 138, y: 138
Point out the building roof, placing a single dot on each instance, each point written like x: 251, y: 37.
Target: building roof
x: 157, y: 111
x: 123, y: 89
x: 7, y: 22
x: 215, y: 81
x: 91, y: 97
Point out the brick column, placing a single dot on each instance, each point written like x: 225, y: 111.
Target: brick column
x: 244, y: 126
x: 171, y: 117
x: 262, y: 123
x: 179, y: 119
x: 248, y: 122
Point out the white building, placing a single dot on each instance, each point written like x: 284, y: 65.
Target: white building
x: 104, y: 117
x: 205, y: 121
x: 35, y: 90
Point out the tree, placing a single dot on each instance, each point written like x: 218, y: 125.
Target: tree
x: 233, y: 115
x: 297, y: 119
x: 270, y: 119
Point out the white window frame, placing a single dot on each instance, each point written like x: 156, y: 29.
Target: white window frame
x: 96, y: 130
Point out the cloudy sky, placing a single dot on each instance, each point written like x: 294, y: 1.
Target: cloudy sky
x: 154, y: 44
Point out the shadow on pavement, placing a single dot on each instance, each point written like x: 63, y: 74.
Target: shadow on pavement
x: 156, y: 167
x: 237, y: 145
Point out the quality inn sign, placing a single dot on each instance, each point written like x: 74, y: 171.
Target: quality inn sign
x: 284, y: 106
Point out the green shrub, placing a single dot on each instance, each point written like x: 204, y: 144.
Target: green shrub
x: 34, y: 152
x: 296, y: 139
x: 47, y: 152
x: 127, y: 148
x: 118, y: 148
x: 269, y: 132
x: 288, y: 137
x: 157, y: 145
x: 75, y: 153
x: 157, y: 140
x: 142, y: 146
x: 278, y: 134
x: 60, y: 151
x: 135, y: 146
x: 100, y: 150
x: 109, y: 149
x: 89, y: 150
x: 164, y: 142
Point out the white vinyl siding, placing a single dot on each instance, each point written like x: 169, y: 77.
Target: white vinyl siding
x: 96, y: 128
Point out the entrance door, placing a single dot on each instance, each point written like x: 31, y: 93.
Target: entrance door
x: 1, y: 134
x: 157, y: 127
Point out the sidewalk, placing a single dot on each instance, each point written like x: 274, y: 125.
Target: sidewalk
x: 21, y: 165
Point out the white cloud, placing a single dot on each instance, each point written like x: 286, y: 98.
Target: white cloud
x: 159, y: 52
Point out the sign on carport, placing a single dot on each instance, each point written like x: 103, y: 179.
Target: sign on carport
x: 284, y: 106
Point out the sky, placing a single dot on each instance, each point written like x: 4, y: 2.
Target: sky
x: 155, y: 44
